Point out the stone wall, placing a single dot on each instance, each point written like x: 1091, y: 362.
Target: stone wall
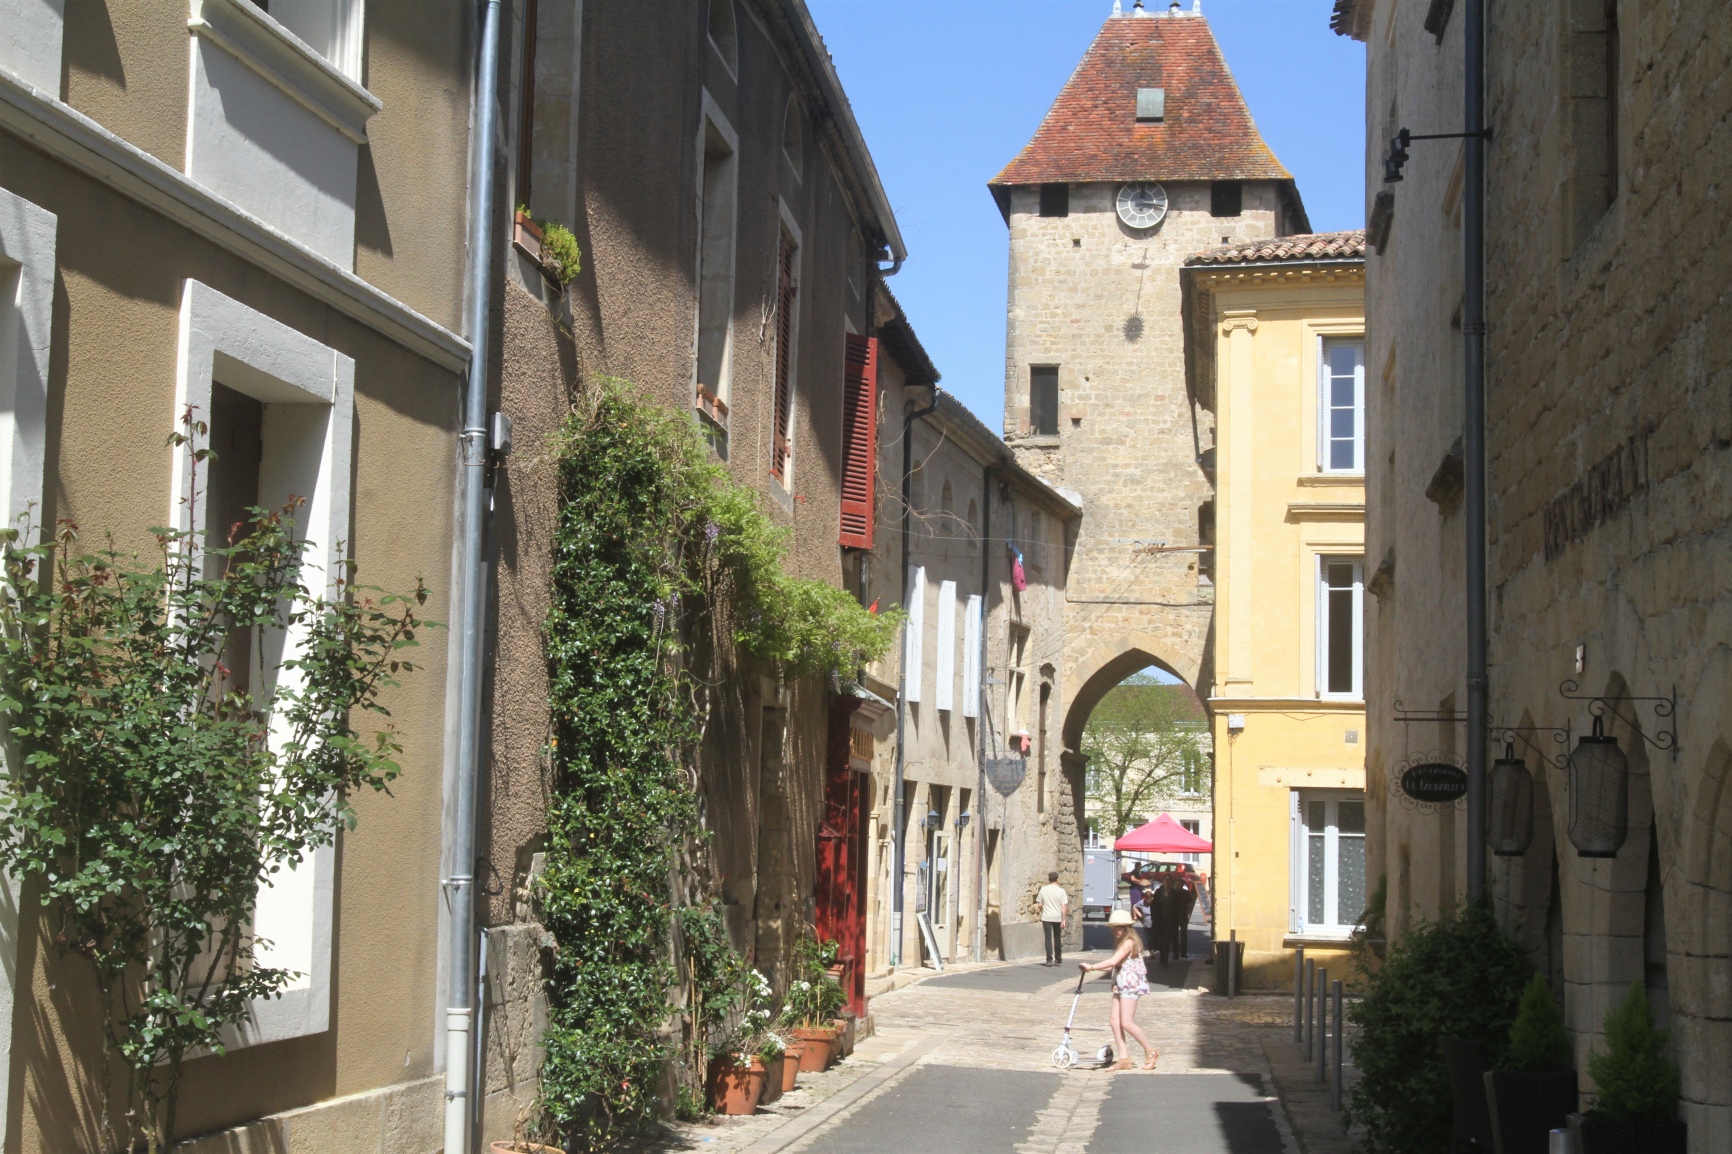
x: 1608, y: 328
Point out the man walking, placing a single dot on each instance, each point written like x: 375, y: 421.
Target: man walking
x: 1054, y: 910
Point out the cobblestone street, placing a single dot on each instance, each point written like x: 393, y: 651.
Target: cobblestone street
x: 960, y: 1061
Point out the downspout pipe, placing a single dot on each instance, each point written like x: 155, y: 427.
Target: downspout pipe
x: 460, y: 1094
x: 898, y: 831
x: 1473, y: 437
x: 981, y: 712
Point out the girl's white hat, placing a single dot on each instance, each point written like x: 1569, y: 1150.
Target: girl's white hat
x: 1121, y: 918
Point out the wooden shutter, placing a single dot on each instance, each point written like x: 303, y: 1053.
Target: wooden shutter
x: 859, y: 440
x: 784, y: 385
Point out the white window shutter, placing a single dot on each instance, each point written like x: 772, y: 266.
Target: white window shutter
x: 914, y: 633
x: 971, y: 658
x: 944, y: 661
x: 1296, y: 825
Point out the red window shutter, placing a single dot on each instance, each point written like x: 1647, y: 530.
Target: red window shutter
x: 781, y: 448
x: 859, y: 440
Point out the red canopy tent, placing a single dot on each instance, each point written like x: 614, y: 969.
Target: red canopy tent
x: 1163, y: 835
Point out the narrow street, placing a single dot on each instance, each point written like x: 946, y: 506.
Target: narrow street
x: 960, y: 1062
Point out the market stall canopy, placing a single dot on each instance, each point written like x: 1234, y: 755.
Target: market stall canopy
x: 1163, y: 835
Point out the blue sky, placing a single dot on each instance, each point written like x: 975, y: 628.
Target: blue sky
x: 947, y: 92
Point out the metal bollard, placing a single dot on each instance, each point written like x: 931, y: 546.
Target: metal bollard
x: 1322, y: 1023
x: 1340, y: 1038
x: 1310, y: 1026
x: 1232, y: 963
x: 1299, y: 997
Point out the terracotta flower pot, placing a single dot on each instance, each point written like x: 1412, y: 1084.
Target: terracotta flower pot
x: 817, y: 1055
x: 791, y: 1064
x: 774, y: 1078
x: 522, y: 1148
x: 737, y: 1089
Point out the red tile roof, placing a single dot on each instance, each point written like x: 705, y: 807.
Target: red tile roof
x: 1091, y: 132
x: 1290, y: 249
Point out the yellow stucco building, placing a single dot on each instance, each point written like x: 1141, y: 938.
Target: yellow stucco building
x: 1275, y: 346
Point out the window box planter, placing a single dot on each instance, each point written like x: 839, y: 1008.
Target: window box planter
x: 1628, y: 1136
x: 1527, y: 1105
x: 737, y: 1089
x: 526, y: 238
x: 712, y: 407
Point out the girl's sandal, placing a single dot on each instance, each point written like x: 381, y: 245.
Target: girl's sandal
x: 1149, y: 1063
x: 1123, y: 1064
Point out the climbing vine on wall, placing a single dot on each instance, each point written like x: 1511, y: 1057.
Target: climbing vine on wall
x: 657, y: 549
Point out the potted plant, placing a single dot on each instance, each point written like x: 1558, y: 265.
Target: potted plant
x: 1636, y: 1085
x: 773, y: 1052
x: 803, y: 1016
x: 737, y: 1082
x: 1536, y: 1091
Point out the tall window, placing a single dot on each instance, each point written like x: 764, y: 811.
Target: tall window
x: 1340, y: 627
x: 1195, y: 828
x: 1040, y: 749
x: 1341, y: 406
x: 716, y: 217
x: 1328, y: 861
x: 1043, y: 400
x: 782, y: 449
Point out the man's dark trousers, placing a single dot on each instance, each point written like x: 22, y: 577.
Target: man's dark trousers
x: 1054, y: 932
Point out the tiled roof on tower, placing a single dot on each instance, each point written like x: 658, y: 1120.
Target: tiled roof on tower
x: 1093, y: 131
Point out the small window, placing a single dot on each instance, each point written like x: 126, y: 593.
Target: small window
x: 1340, y: 629
x: 1341, y: 406
x: 791, y: 135
x: 722, y: 33
x: 1043, y: 400
x: 1055, y: 200
x: 1226, y: 198
x: 716, y: 276
x: 787, y: 297
x: 1151, y: 104
x: 1328, y: 861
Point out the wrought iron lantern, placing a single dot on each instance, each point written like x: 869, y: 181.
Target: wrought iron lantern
x: 962, y: 820
x: 933, y: 821
x: 1599, y: 794
x: 1510, y: 827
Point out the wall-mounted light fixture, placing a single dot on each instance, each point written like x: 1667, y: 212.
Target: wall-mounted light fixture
x: 1510, y: 824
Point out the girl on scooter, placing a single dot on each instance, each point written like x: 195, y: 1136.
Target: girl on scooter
x: 1130, y: 982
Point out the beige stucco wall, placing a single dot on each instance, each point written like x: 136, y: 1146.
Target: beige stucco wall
x: 1599, y: 328
x: 111, y: 406
x: 1276, y: 514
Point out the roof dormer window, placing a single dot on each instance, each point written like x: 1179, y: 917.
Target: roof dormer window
x: 1151, y: 105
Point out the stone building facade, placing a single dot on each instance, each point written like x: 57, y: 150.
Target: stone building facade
x: 980, y: 735
x: 1609, y: 360
x: 1096, y: 399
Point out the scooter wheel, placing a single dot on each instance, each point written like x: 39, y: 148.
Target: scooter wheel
x: 1064, y: 1058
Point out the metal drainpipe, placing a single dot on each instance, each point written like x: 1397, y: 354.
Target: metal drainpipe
x: 897, y: 830
x: 980, y: 711
x: 472, y: 447
x: 1473, y: 439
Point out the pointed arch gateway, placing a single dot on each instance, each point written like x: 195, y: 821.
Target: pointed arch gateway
x: 1109, y: 663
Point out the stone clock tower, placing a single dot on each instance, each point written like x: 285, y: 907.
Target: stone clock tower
x: 1147, y: 156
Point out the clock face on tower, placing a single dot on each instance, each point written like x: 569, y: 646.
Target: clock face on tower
x: 1142, y: 205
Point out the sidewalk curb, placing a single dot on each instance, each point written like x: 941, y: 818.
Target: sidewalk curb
x: 797, y: 1128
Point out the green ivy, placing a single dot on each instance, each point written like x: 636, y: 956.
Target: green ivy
x: 1459, y: 977
x: 656, y: 548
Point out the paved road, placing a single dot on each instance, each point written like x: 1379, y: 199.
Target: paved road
x: 959, y: 1065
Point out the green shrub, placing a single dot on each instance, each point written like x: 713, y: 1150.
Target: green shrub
x: 559, y: 252
x: 1459, y: 977
x: 1634, y: 1078
x: 1538, y: 1040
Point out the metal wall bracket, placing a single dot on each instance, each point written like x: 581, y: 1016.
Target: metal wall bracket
x: 1601, y: 706
x: 1509, y: 734
x: 1406, y: 716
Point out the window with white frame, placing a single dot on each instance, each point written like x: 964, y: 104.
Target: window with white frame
x: 1193, y: 827
x: 1328, y: 861
x: 717, y: 214
x: 1340, y: 627
x: 282, y: 405
x: 1341, y: 405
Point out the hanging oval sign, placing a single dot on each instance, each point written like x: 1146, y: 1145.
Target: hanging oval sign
x: 1434, y: 781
